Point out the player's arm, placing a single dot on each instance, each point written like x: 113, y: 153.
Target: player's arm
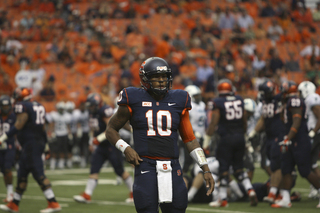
x: 195, y: 150
x: 117, y: 121
x: 258, y: 128
x: 21, y: 120
x: 215, y: 117
x: 296, y: 122
x: 316, y: 111
x: 244, y: 121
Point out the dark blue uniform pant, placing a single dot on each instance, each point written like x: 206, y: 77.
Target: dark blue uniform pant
x: 7, y: 158
x: 145, y: 189
x: 274, y: 153
x: 107, y: 152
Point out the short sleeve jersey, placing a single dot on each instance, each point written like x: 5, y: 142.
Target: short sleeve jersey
x: 198, y: 117
x: 33, y: 130
x: 310, y: 101
x: 5, y: 125
x: 231, y: 114
x: 295, y: 102
x: 155, y: 123
x: 61, y: 122
x: 271, y: 112
x: 96, y: 120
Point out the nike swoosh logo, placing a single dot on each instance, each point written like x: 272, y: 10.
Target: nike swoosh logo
x: 143, y: 172
x: 170, y: 104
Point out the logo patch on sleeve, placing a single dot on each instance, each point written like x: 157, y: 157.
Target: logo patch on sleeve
x: 146, y: 104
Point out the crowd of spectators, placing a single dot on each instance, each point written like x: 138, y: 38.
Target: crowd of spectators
x: 99, y: 45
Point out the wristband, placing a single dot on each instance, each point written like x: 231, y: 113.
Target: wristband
x: 121, y: 145
x: 101, y: 137
x: 206, y: 172
x: 198, y: 156
x: 312, y: 134
x: 3, y: 137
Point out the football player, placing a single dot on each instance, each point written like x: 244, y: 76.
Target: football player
x: 99, y: 116
x: 312, y: 100
x: 59, y: 122
x: 70, y: 106
x: 198, y: 119
x: 7, y: 148
x: 295, y: 146
x: 30, y: 131
x: 271, y: 122
x: 228, y: 115
x: 156, y: 114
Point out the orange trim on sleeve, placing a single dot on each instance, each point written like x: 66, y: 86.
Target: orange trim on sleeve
x: 296, y: 116
x: 129, y: 108
x: 294, y: 129
x: 126, y: 96
x: 186, y: 101
x: 185, y: 129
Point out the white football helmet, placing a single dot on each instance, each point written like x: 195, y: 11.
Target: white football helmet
x: 249, y: 105
x: 193, y: 90
x: 306, y: 88
x: 70, y: 106
x: 61, y: 105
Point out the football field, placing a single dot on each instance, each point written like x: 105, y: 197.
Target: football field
x: 110, y: 197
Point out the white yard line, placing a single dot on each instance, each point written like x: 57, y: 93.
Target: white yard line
x: 100, y: 202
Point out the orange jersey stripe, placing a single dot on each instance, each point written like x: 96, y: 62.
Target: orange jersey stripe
x: 185, y: 129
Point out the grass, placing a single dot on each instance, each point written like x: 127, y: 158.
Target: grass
x: 110, y: 198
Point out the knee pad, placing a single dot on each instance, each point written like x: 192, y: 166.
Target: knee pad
x: 21, y: 181
x: 40, y: 181
x: 240, y: 176
x: 224, y: 180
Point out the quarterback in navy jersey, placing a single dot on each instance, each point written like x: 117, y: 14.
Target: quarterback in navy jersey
x: 7, y: 148
x: 99, y: 116
x: 271, y: 122
x: 228, y: 115
x: 296, y: 146
x: 29, y: 128
x: 156, y: 114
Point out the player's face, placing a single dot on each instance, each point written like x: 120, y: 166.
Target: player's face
x: 159, y: 81
x: 197, y: 98
x: 5, y: 109
x: 60, y: 110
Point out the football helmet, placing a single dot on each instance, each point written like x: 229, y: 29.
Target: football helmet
x: 194, y: 92
x: 225, y: 87
x: 288, y: 88
x: 60, y: 106
x: 5, y: 105
x: 153, y: 66
x: 70, y: 106
x: 93, y: 102
x: 266, y: 90
x: 306, y: 88
x: 22, y: 94
x: 249, y: 105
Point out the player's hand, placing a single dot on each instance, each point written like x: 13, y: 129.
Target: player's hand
x: 206, y: 142
x: 209, y: 183
x: 284, y: 145
x: 95, y: 141
x: 70, y: 136
x: 132, y: 156
x: 47, y: 151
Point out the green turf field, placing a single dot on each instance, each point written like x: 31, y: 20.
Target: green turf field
x: 110, y: 198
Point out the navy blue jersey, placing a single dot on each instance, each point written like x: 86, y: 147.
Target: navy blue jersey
x: 295, y: 102
x: 33, y: 130
x: 6, y: 122
x: 231, y: 114
x: 155, y: 123
x: 96, y: 120
x: 271, y: 112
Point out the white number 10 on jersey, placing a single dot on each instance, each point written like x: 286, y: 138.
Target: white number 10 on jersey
x: 159, y: 126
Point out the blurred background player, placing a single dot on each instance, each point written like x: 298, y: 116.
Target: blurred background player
x: 198, y: 118
x: 30, y: 131
x: 99, y: 116
x: 312, y: 100
x: 296, y: 145
x: 59, y: 124
x: 81, y: 116
x: 7, y: 148
x: 228, y: 115
x: 272, y: 123
x: 70, y: 106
